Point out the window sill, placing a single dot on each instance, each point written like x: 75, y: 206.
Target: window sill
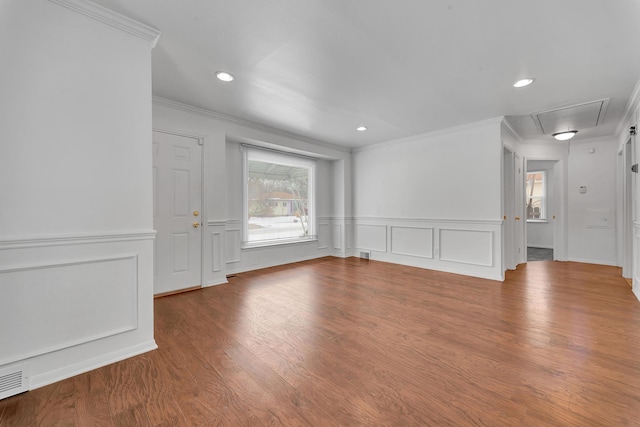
x: 270, y: 243
x: 538, y: 221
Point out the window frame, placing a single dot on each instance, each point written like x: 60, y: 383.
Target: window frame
x: 543, y: 197
x: 283, y: 158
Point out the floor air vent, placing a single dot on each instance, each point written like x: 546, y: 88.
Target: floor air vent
x: 14, y: 380
x: 365, y: 255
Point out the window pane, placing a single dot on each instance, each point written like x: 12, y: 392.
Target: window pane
x: 278, y: 201
x: 535, y: 195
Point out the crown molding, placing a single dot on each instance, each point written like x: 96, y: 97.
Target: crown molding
x: 506, y: 124
x: 242, y: 122
x: 628, y: 111
x: 432, y: 134
x: 111, y: 18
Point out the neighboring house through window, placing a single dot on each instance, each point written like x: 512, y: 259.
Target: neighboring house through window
x: 279, y: 202
x: 536, y: 193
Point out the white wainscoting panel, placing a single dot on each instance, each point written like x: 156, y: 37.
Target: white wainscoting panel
x: 371, y: 237
x: 232, y: 245
x: 412, y: 241
x: 467, y: 246
x: 216, y: 251
x: 65, y: 304
x: 470, y: 247
x: 323, y: 236
x: 337, y: 236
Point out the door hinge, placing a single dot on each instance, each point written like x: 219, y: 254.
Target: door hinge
x: 632, y: 130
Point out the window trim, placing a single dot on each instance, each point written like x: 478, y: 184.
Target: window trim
x: 282, y: 158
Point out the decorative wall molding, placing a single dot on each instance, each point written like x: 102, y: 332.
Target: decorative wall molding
x: 217, y: 223
x: 363, y: 219
x: 31, y: 281
x: 76, y: 239
x: 111, y: 18
x: 402, y: 244
x: 471, y: 247
x: 216, y: 251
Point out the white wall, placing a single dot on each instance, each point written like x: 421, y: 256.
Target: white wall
x: 622, y: 136
x: 433, y: 200
x: 76, y: 226
x: 223, y: 204
x: 592, y: 225
x: 584, y: 241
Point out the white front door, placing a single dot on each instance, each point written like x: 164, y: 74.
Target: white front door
x: 177, y: 198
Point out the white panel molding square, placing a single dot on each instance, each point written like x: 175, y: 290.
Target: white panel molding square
x: 372, y: 237
x: 337, y: 236
x: 66, y: 304
x: 473, y: 247
x: 216, y: 251
x: 323, y: 236
x: 232, y: 246
x: 412, y: 241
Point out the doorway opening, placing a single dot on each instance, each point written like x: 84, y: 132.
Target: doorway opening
x: 542, y: 202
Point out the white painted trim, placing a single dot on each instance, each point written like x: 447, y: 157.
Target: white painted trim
x: 431, y: 220
x: 432, y: 134
x: 75, y: 239
x: 216, y: 223
x: 591, y: 261
x: 457, y: 261
x: 112, y: 19
x: 90, y: 338
x: 50, y: 377
x: 242, y: 122
x: 636, y: 292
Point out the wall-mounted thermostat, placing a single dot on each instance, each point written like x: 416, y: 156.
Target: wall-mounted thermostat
x: 582, y: 189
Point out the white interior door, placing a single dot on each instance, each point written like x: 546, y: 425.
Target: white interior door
x: 508, y: 240
x: 177, y: 198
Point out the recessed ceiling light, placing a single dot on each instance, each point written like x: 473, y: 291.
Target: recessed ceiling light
x: 361, y: 128
x: 224, y: 76
x: 564, y: 136
x: 523, y: 82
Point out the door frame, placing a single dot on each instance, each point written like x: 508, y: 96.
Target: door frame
x: 560, y: 224
x: 629, y: 183
x: 203, y: 223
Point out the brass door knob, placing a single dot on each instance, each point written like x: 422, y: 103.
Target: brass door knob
x: 196, y: 224
x: 196, y: 213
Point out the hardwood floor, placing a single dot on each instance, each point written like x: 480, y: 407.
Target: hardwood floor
x: 336, y: 342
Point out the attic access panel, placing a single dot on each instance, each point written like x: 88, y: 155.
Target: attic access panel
x: 581, y: 116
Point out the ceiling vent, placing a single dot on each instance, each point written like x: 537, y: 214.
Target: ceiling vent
x: 581, y: 116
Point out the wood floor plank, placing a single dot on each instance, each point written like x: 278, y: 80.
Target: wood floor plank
x: 351, y: 342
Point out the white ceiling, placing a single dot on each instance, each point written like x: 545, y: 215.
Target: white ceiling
x: 320, y: 68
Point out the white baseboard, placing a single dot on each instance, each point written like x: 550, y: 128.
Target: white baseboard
x: 51, y: 377
x: 592, y: 261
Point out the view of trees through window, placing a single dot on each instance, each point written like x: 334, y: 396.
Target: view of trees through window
x: 535, y: 195
x: 278, y: 201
